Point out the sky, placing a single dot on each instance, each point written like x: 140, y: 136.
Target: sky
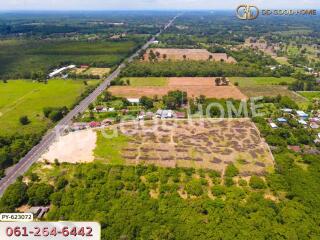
x: 151, y: 4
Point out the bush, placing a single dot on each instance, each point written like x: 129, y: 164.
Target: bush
x: 218, y: 190
x: 228, y: 181
x: 257, y: 183
x: 194, y: 187
x: 243, y: 182
x: 231, y: 171
x: 24, y: 120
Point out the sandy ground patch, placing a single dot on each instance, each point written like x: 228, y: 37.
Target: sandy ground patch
x: 193, y: 86
x: 76, y: 147
x: 190, y: 54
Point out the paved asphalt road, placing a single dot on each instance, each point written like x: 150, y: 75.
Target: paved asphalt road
x: 23, y: 165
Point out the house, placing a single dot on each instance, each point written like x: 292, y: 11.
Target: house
x: 141, y: 116
x: 95, y: 124
x: 164, y: 113
x: 302, y: 114
x: 282, y: 120
x: 273, y: 125
x: 303, y: 122
x: 287, y: 110
x: 107, y: 122
x: 313, y: 125
x: 149, y: 115
x: 155, y: 42
x: 78, y: 126
x: 84, y: 66
x: 100, y: 109
x: 133, y: 100
x: 315, y: 119
x: 180, y: 114
x: 110, y: 109
x: 295, y: 148
x: 38, y: 212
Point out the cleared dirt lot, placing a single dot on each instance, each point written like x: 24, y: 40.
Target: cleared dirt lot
x: 76, y: 147
x: 190, y: 54
x: 211, y: 143
x: 193, y: 86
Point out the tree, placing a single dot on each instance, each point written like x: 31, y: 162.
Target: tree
x: 146, y: 102
x: 24, y: 120
x: 39, y: 194
x: 175, y: 99
x: 55, y: 115
x: 14, y: 196
x: 218, y: 81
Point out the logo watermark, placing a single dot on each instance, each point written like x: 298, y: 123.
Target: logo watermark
x: 251, y: 12
x: 199, y: 114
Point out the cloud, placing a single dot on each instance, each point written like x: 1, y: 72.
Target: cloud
x: 148, y: 4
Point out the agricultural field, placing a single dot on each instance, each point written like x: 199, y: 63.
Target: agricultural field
x: 310, y: 95
x: 20, y: 58
x: 266, y: 86
x: 143, y: 82
x: 193, y: 86
x: 210, y: 144
x: 187, y: 54
x: 24, y: 97
x: 101, y: 72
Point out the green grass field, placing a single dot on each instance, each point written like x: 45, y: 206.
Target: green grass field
x: 258, y: 81
x: 21, y: 57
x: 109, y: 149
x: 147, y: 81
x: 310, y: 95
x: 23, y: 97
x: 267, y: 86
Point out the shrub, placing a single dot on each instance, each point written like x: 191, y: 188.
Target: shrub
x: 24, y: 120
x: 228, y: 181
x: 194, y: 188
x: 218, y: 190
x: 231, y: 171
x: 243, y: 182
x: 257, y: 183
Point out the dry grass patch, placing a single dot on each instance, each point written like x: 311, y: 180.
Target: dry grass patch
x: 188, y: 54
x: 194, y: 86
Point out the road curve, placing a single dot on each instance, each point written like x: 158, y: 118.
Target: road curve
x: 33, y: 155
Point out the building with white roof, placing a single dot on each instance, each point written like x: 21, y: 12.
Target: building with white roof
x: 302, y: 114
x: 133, y: 100
x: 56, y: 72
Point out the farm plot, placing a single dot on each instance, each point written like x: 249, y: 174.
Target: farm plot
x: 27, y: 98
x: 210, y: 144
x: 193, y: 86
x: 187, y: 54
x: 310, y: 95
x: 266, y: 86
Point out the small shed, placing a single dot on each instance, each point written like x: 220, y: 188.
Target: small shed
x: 282, y: 120
x: 273, y: 125
x: 95, y: 124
